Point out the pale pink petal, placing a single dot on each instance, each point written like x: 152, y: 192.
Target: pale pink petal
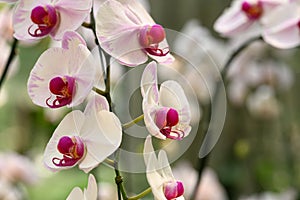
x: 79, y: 5
x: 281, y: 27
x: 172, y: 95
x: 118, y: 28
x: 149, y: 80
x: 69, y: 20
x: 22, y: 20
x: 53, y: 62
x: 140, y: 12
x: 125, y: 47
x: 233, y: 21
x: 113, y: 17
x: 76, y: 194
x: 81, y: 65
x: 95, y: 104
x: 102, y: 134
x: 69, y: 126
x: 149, y: 110
x: 72, y: 39
x: 287, y: 37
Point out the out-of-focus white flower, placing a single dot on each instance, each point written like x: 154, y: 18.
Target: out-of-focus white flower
x: 107, y: 191
x: 263, y: 103
x: 17, y: 168
x: 243, y: 15
x: 9, y: 192
x: 209, y: 188
x: 201, y: 57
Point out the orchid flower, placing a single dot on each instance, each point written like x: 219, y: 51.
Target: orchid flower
x: 35, y: 19
x: 127, y: 32
x: 159, y: 175
x: 62, y: 76
x: 85, y: 138
x: 282, y: 26
x: 166, y: 111
x: 90, y: 193
x: 243, y: 14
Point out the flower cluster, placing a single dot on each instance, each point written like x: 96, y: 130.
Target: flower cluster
x: 276, y: 20
x: 66, y: 76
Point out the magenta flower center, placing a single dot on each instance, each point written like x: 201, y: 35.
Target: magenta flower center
x: 253, y: 11
x: 63, y: 89
x: 173, y: 189
x: 44, y: 20
x: 166, y: 119
x: 72, y: 149
x: 150, y: 37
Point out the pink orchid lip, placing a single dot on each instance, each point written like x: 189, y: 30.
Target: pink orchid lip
x: 173, y: 189
x: 253, y: 11
x: 166, y: 119
x: 63, y: 88
x: 150, y: 37
x: 72, y: 149
x: 44, y: 18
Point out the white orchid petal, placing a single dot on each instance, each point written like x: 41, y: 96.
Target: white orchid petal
x: 70, y: 126
x: 102, y: 134
x: 76, y: 194
x: 96, y: 104
x: 172, y: 95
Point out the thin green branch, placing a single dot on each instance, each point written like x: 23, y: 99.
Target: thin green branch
x: 98, y: 91
x: 9, y: 61
x: 133, y: 122
x: 141, y: 195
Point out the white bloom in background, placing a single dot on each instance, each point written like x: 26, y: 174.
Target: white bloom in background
x: 17, y: 168
x: 200, y: 58
x: 263, y: 103
x: 90, y: 193
x: 242, y: 15
x: 9, y: 192
x: 209, y: 188
x: 159, y: 175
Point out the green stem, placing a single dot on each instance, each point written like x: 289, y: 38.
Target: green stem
x: 133, y: 122
x: 119, y: 182
x: 203, y: 162
x: 109, y: 162
x: 9, y: 61
x: 141, y: 195
x: 98, y: 91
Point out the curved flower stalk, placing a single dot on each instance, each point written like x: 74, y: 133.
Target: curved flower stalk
x: 282, y: 26
x: 159, y: 175
x: 166, y: 111
x: 243, y: 14
x: 34, y: 19
x: 85, y: 138
x: 62, y: 76
x: 127, y: 32
x: 90, y: 193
